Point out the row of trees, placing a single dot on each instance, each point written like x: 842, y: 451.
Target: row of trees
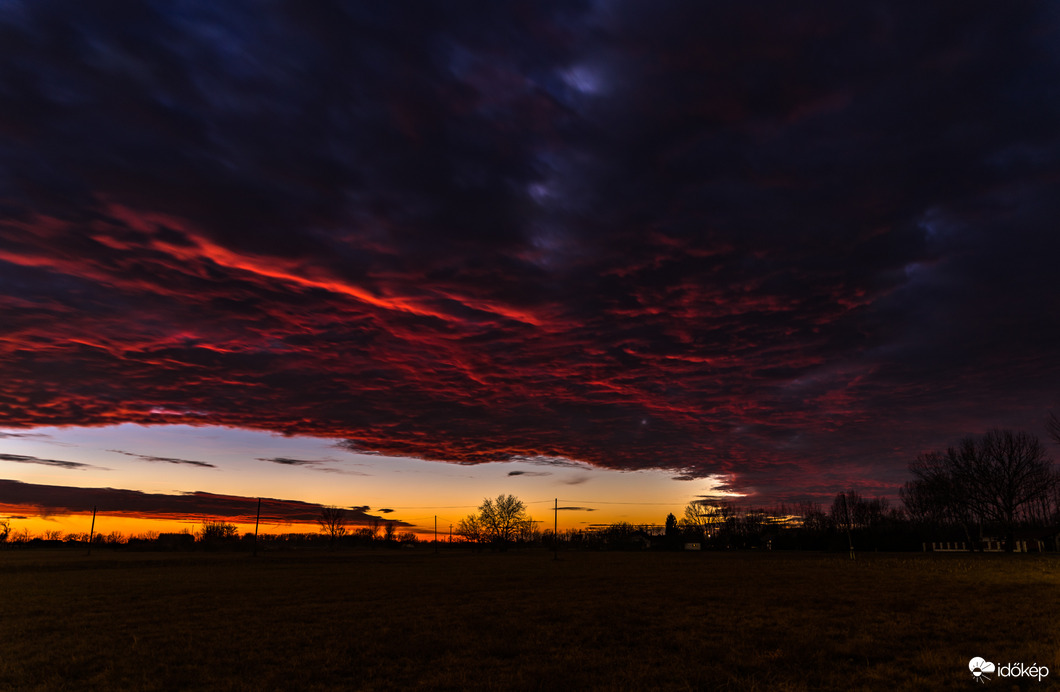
x: 218, y: 534
x: 334, y: 523
x: 868, y: 523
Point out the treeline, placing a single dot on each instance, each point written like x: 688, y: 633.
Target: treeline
x: 851, y: 520
x: 996, y: 489
x: 504, y: 523
x: 211, y: 535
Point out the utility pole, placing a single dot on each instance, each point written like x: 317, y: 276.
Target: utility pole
x: 435, y: 534
x: 555, y: 530
x: 92, y: 531
x: 256, y: 520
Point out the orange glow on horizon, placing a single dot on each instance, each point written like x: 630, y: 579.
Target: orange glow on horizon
x: 132, y: 526
x: 136, y: 526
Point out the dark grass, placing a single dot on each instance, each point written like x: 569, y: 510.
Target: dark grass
x: 379, y: 620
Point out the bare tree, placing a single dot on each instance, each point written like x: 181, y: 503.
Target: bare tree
x: 5, y: 529
x: 937, y: 498
x: 211, y: 533
x: 1003, y: 477
x: 1052, y: 424
x: 706, y: 518
x: 332, y: 522
x: 843, y: 515
x: 470, y: 528
x: 502, y: 518
x: 498, y: 521
x: 814, y: 518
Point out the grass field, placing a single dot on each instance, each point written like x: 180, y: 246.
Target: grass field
x: 388, y: 620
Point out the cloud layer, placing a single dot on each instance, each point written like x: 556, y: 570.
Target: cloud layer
x: 47, y: 500
x: 58, y: 463
x: 165, y: 460
x: 790, y: 244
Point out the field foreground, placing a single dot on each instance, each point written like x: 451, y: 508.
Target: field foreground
x: 381, y: 620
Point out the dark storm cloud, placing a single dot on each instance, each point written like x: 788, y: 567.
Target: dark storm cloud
x: 780, y: 242
x: 55, y: 499
x: 23, y: 459
x: 164, y: 460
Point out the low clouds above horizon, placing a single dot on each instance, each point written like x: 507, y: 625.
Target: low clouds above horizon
x: 164, y: 460
x: 59, y: 463
x: 791, y: 244
x: 313, y: 464
x: 48, y: 500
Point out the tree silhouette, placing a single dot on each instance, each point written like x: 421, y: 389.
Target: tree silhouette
x: 211, y: 533
x: 1003, y: 474
x: 1003, y: 477
x: 470, y: 528
x: 498, y: 521
x: 934, y: 499
x: 705, y: 519
x: 332, y: 522
x: 1052, y: 424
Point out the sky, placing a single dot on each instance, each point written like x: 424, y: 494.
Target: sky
x: 407, y: 256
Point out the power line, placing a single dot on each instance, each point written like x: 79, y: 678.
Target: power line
x: 395, y: 508
x: 540, y: 502
x: 652, y: 504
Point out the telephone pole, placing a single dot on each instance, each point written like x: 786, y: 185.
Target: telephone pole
x: 256, y: 520
x: 92, y: 531
x: 555, y: 530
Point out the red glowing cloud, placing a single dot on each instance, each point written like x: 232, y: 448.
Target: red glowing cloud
x: 659, y: 245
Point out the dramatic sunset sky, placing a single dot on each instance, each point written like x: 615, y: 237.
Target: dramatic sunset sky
x: 398, y: 257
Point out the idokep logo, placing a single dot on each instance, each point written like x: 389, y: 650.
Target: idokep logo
x: 980, y: 667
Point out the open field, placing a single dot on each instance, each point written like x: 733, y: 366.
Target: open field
x: 381, y: 620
